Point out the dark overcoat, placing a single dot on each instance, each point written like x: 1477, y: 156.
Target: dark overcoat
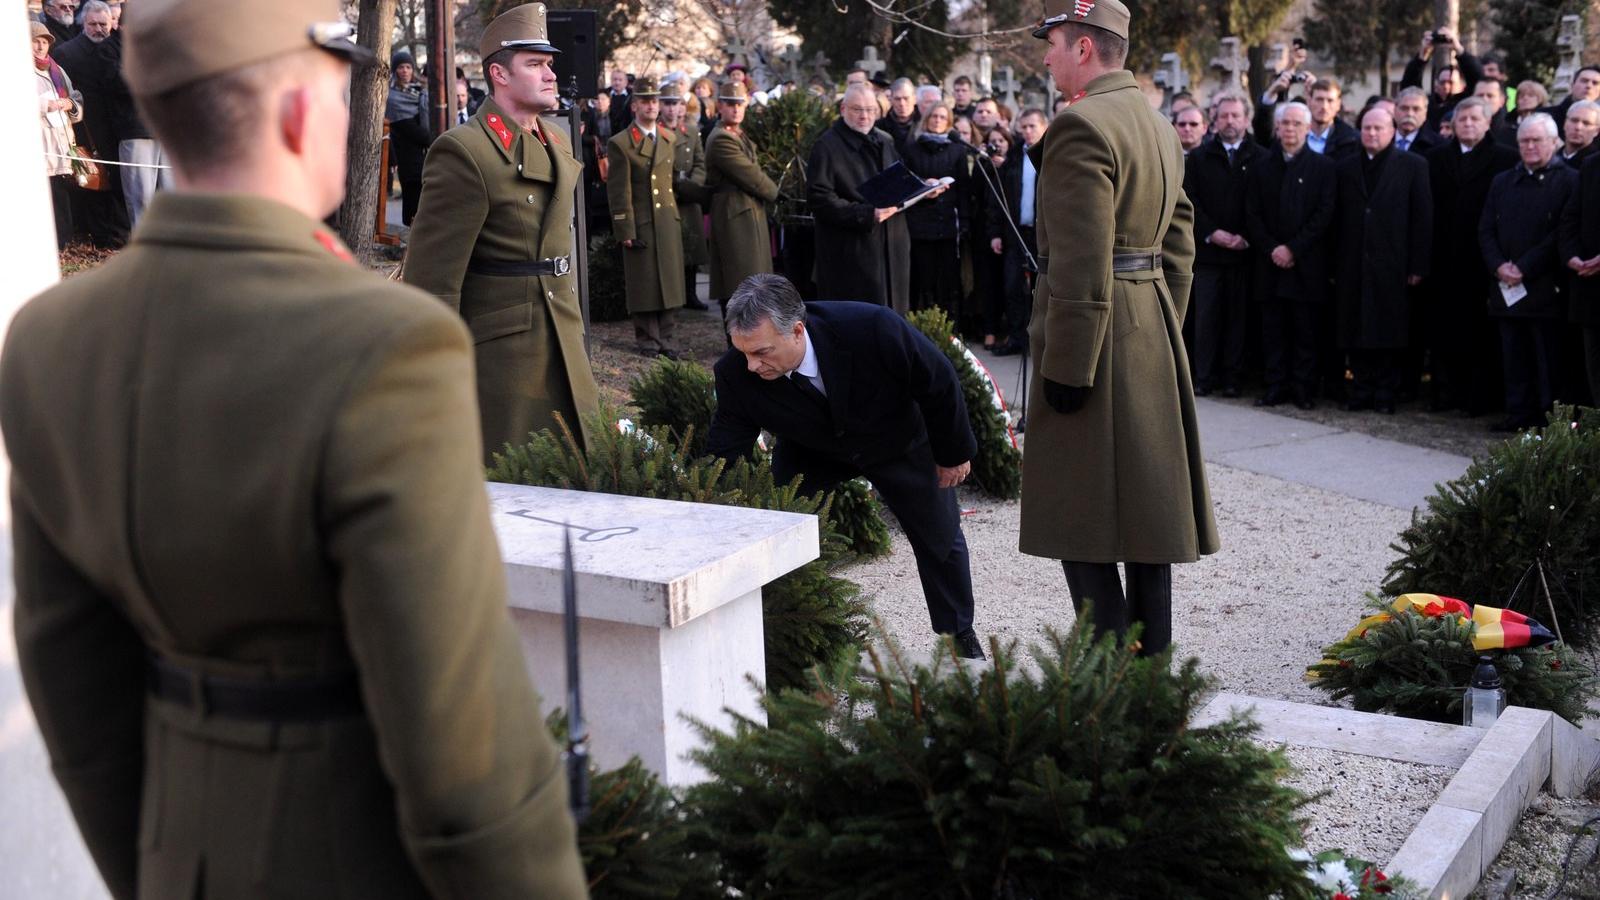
x: 740, y: 243
x: 945, y: 217
x: 1121, y: 479
x: 1290, y: 203
x: 1216, y: 187
x: 644, y: 209
x: 1580, y: 237
x: 1383, y: 237
x: 1459, y: 183
x: 689, y: 185
x: 1520, y: 224
x: 237, y: 451
x: 894, y: 399
x: 494, y: 193
x: 858, y: 257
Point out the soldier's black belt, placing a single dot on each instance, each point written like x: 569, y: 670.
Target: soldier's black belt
x: 278, y: 701
x: 556, y: 265
x: 1120, y: 262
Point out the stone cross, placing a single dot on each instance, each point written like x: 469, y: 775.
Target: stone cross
x: 1569, y: 43
x: 1006, y: 86
x: 790, y: 60
x: 1172, y: 78
x: 735, y: 49
x: 985, y: 73
x: 869, y: 61
x: 1231, y: 61
x: 819, y: 67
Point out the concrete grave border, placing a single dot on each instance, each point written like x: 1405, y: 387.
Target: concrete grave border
x: 1500, y: 771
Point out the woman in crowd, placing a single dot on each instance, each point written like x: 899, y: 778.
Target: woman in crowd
x: 937, y: 224
x: 59, y: 107
x: 962, y: 131
x: 1530, y: 96
x: 703, y: 90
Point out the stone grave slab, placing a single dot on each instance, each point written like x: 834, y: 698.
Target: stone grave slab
x: 669, y: 599
x: 1496, y: 773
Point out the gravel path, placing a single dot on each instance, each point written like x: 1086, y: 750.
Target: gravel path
x: 1289, y: 581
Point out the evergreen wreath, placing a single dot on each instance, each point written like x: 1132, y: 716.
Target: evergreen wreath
x: 997, y: 468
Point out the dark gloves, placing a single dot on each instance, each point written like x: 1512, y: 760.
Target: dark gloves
x: 1065, y: 398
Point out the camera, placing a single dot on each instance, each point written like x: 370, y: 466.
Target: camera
x: 1439, y: 38
x: 1298, y: 78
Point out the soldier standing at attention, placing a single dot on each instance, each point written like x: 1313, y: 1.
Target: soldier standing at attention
x: 260, y: 613
x: 688, y: 184
x: 644, y: 220
x: 493, y: 239
x: 1113, y: 471
x: 740, y: 245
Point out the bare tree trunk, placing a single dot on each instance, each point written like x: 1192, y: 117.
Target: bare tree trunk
x: 369, y: 92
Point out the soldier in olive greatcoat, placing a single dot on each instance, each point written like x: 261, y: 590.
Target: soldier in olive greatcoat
x: 689, y: 184
x: 493, y: 239
x: 1113, y: 471
x: 260, y: 613
x: 644, y: 220
x: 740, y: 245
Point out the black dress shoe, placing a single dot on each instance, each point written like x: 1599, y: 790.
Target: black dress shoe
x: 1354, y: 405
x: 1304, y: 404
x: 1007, y: 348
x: 1270, y: 398
x: 968, y: 646
x: 1202, y: 390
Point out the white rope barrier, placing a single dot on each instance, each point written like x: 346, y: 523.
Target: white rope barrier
x: 106, y: 162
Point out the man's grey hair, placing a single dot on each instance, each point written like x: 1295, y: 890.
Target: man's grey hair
x: 764, y: 298
x: 1478, y: 103
x: 1541, y: 121
x: 1411, y: 92
x: 1233, y: 96
x: 1583, y: 106
x: 1291, y: 106
x: 902, y: 83
x: 930, y: 90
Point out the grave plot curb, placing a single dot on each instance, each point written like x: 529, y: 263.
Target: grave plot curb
x: 1501, y: 769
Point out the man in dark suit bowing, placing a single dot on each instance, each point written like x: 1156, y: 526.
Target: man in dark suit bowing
x: 850, y: 389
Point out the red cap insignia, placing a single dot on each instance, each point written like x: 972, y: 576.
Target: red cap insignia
x: 500, y: 130
x: 332, y: 245
x: 1081, y: 8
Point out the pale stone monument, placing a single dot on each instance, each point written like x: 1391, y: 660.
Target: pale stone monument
x: 1006, y: 87
x: 1171, y: 77
x: 1569, y: 44
x: 869, y: 61
x: 669, y: 599
x: 1233, y: 63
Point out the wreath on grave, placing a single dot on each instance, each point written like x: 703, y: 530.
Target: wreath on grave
x: 1340, y: 876
x: 1415, y: 656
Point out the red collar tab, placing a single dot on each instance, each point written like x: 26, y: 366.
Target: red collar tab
x: 498, y: 126
x: 1081, y: 94
x: 333, y: 245
x: 637, y: 137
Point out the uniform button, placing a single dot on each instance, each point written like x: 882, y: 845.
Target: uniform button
x: 658, y: 206
x: 530, y: 198
x: 519, y: 167
x: 655, y: 190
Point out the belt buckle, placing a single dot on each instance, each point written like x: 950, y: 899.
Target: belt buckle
x: 563, y: 265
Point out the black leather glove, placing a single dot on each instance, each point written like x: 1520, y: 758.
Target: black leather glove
x: 1065, y: 398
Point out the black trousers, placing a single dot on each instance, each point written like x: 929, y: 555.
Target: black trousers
x: 1289, y: 346
x: 1221, y: 306
x: 410, y: 196
x: 1019, y: 284
x: 61, y: 188
x: 1591, y: 357
x: 930, y: 517
x: 1378, y: 374
x: 1528, y: 354
x: 936, y: 277
x: 1148, y: 599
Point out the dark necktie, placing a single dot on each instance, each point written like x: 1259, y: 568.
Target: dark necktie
x: 1230, y: 155
x: 809, y: 389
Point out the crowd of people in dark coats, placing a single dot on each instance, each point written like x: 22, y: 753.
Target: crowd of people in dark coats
x: 1436, y: 246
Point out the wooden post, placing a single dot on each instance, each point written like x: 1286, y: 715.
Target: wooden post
x: 380, y: 230
x: 441, y: 66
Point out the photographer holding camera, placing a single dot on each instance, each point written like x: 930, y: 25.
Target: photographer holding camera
x: 1278, y: 91
x: 1451, y: 84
